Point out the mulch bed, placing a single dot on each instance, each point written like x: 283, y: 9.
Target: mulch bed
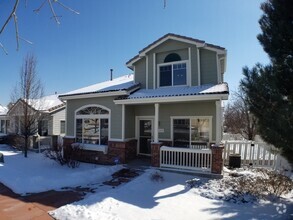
x: 122, y: 176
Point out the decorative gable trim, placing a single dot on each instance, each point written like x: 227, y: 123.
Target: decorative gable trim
x: 170, y: 36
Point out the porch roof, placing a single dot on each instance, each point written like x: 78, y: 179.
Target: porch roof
x: 182, y: 93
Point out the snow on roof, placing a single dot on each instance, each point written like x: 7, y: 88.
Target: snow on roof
x: 179, y: 91
x: 46, y: 103
x: 3, y: 110
x: 121, y: 83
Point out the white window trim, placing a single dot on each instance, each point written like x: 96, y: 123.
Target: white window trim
x: 101, y: 116
x: 190, y: 118
x: 172, y: 63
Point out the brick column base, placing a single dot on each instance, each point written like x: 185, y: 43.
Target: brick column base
x: 67, y: 148
x: 217, y: 159
x: 155, y: 157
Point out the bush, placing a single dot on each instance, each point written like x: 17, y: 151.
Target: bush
x: 57, y: 155
x: 264, y: 183
x: 157, y: 177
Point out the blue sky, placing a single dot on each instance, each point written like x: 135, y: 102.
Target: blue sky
x: 107, y: 33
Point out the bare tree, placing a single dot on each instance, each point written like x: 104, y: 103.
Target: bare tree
x: 13, y: 17
x: 237, y: 117
x: 28, y: 92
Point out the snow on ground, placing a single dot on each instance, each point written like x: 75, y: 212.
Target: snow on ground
x: 145, y: 199
x: 141, y: 198
x: 36, y: 173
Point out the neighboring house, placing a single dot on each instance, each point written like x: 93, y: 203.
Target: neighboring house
x: 52, y: 115
x: 173, y: 98
x: 4, y: 122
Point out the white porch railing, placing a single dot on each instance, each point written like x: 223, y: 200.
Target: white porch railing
x: 185, y: 158
x: 258, y: 154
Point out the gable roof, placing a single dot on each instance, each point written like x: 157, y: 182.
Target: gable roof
x: 197, y: 42
x: 178, y: 93
x: 118, y: 86
x: 3, y: 110
x: 47, y: 104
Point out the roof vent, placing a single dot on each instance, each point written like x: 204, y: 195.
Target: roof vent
x: 111, y: 74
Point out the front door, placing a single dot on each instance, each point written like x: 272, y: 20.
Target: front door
x: 145, y: 136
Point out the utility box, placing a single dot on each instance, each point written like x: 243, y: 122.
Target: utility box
x: 235, y: 161
x: 1, y: 158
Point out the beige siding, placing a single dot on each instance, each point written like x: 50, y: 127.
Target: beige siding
x: 208, y: 64
x: 55, y: 122
x: 140, y: 72
x: 129, y: 122
x: 194, y: 66
x: 116, y: 114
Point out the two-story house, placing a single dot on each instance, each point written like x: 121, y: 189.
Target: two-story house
x: 173, y: 98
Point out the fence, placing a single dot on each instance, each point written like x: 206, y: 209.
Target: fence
x: 185, y: 158
x: 257, y: 154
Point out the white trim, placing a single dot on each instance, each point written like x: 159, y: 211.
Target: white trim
x: 123, y: 123
x: 94, y: 95
x: 198, y: 66
x: 173, y: 99
x: 134, y: 74
x: 172, y: 38
x: 147, y: 72
x: 98, y: 94
x: 180, y: 39
x: 218, y: 121
x: 189, y: 71
x: 192, y: 117
x: 137, y: 131
x: 156, y: 123
x: 171, y: 64
x: 154, y: 70
x: 218, y: 68
x: 107, y: 116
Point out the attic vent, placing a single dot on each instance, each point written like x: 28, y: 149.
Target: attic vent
x: 172, y: 57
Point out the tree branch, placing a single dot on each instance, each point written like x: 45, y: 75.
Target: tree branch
x: 10, y: 16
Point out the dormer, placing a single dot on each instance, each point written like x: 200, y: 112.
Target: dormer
x: 175, y: 60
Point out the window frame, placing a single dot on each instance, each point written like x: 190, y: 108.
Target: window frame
x: 93, y: 116
x: 172, y: 73
x: 210, y: 118
x: 62, y: 121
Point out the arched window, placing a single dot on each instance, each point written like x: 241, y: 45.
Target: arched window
x: 173, y: 72
x: 92, y: 125
x: 172, y: 57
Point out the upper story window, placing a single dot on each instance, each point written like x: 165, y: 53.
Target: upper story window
x: 173, y: 71
x: 173, y: 74
x: 172, y: 57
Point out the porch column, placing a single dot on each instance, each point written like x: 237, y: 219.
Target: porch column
x: 123, y: 123
x: 156, y: 124
x: 218, y: 122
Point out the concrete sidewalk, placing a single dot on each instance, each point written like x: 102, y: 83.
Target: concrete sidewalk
x: 35, y: 206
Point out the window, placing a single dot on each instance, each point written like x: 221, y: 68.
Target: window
x: 172, y: 57
x: 189, y: 131
x: 43, y: 128
x: 173, y: 74
x: 62, y: 127
x: 92, y: 125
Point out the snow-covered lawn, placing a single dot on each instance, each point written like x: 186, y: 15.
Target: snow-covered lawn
x: 36, y: 173
x: 142, y: 198
x: 170, y: 199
